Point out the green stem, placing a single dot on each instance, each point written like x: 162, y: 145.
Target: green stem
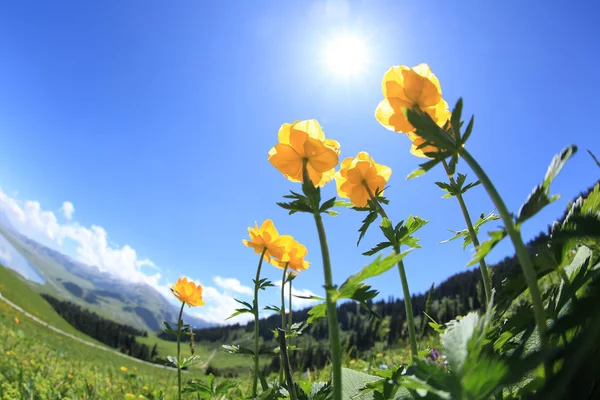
x: 179, y: 350
x: 412, y: 334
x: 334, y: 334
x: 282, y: 317
x: 485, y: 273
x: 285, y: 362
x: 256, y: 331
x: 520, y: 249
x: 290, y: 307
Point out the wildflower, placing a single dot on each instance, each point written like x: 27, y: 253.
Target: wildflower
x: 145, y: 388
x: 358, y: 174
x: 123, y: 369
x: 352, y: 362
x: 291, y: 253
x: 70, y: 376
x: 379, y: 355
x: 434, y: 354
x: 188, y: 292
x: 304, y: 141
x: 405, y: 87
x: 265, y: 237
x: 16, y: 319
x: 141, y: 396
x: 129, y: 396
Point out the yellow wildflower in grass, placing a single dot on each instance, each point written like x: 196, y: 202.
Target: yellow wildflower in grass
x: 16, y: 319
x: 129, y: 396
x: 405, y: 87
x: 123, y: 369
x: 305, y: 140
x: 291, y: 253
x: 145, y: 388
x: 356, y: 174
x: 188, y: 292
x: 352, y: 362
x: 379, y: 355
x: 265, y: 237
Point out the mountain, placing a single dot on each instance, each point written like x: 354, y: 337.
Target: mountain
x: 134, y: 304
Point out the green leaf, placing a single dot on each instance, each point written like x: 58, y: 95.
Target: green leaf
x: 353, y: 382
x: 377, y: 248
x: 317, y: 312
x: 404, y: 231
x: 273, y: 308
x: 540, y: 197
x: 594, y: 157
x: 369, y: 219
x: 328, y: 204
x: 488, y: 245
x: 456, y: 338
x: 376, y: 268
x: 465, y: 234
x: 236, y: 349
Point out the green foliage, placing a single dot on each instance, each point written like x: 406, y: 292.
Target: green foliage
x: 454, y: 188
x: 465, y: 235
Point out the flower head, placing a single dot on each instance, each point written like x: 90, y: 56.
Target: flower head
x: 123, y: 369
x: 188, y: 292
x: 359, y: 173
x: 16, y: 319
x: 291, y: 253
x: 304, y: 141
x: 405, y: 87
x: 265, y: 237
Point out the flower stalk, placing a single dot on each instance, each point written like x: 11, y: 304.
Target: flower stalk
x: 485, y: 273
x: 520, y: 249
x: 283, y: 327
x: 334, y: 334
x: 412, y: 335
x: 285, y: 362
x: 179, y: 325
x: 256, y: 331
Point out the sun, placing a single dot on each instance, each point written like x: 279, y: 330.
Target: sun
x: 346, y: 54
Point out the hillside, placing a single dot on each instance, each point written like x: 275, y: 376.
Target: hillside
x: 134, y: 304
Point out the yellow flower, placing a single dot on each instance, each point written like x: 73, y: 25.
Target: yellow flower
x: 356, y: 174
x: 16, y: 320
x: 123, y: 369
x: 130, y: 396
x: 265, y: 237
x: 70, y: 376
x: 405, y: 87
x: 352, y: 362
x: 145, y: 388
x: 188, y: 292
x: 292, y: 252
x: 305, y: 140
x: 379, y: 355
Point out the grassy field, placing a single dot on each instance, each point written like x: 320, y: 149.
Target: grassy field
x: 38, y: 363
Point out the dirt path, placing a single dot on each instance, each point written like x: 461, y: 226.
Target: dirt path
x: 39, y: 321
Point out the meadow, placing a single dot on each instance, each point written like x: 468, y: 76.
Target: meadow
x: 534, y: 335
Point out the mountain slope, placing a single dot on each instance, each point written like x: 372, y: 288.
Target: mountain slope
x: 135, y: 304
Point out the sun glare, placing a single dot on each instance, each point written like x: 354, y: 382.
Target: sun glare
x: 346, y: 55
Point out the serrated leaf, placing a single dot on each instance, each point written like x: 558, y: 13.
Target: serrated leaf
x: 377, y: 248
x: 317, y: 312
x: 404, y: 231
x: 540, y: 197
x: 273, y: 308
x: 456, y: 338
x: 465, y: 234
x: 327, y: 205
x: 376, y: 268
x: 487, y: 246
x: 369, y: 219
x: 237, y: 349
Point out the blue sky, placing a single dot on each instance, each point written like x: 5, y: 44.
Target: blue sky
x: 154, y: 120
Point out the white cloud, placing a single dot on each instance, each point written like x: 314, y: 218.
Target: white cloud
x: 68, y: 209
x: 298, y: 303
x: 93, y: 247
x: 232, y: 285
